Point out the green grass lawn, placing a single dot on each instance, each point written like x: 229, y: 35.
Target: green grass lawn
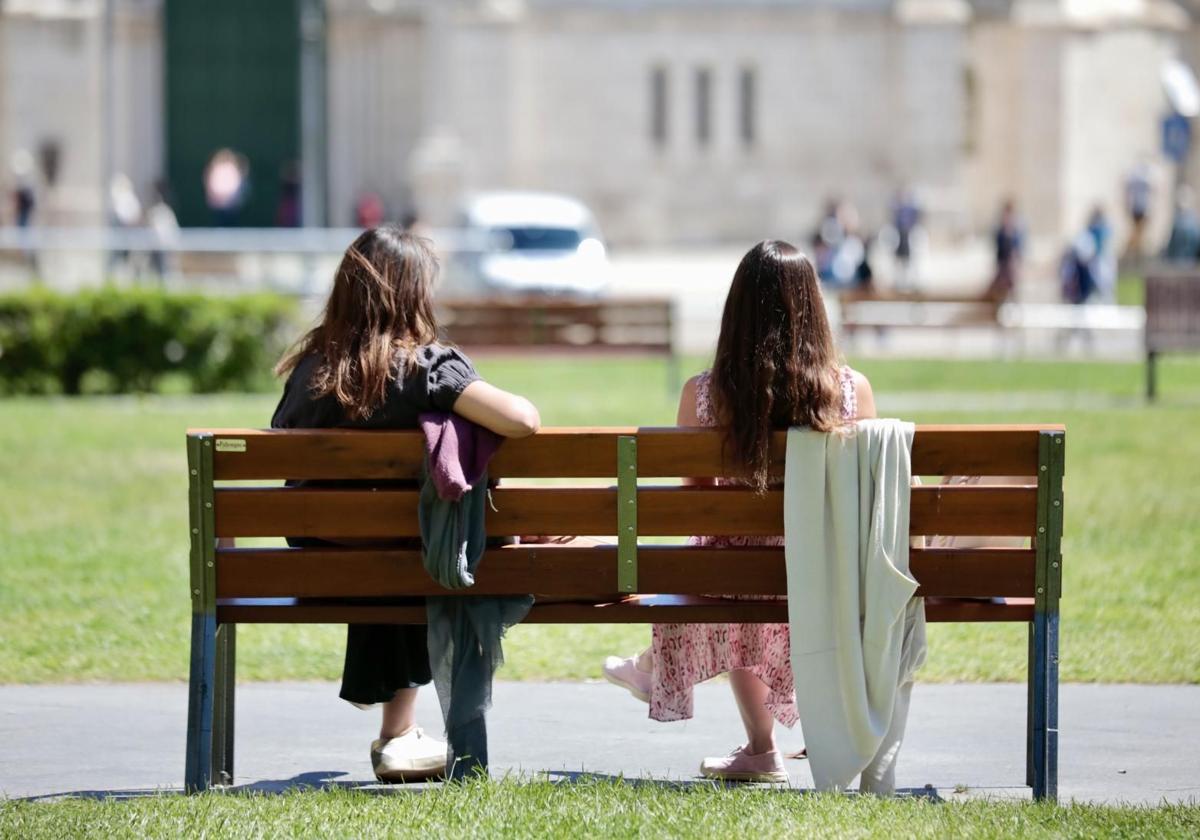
x: 583, y: 809
x: 93, y: 524
x: 1131, y: 290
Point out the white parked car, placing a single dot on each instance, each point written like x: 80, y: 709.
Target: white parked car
x: 529, y: 243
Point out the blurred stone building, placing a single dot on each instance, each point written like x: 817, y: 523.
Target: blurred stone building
x: 678, y: 121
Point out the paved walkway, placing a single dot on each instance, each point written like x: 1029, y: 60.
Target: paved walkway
x: 1119, y: 743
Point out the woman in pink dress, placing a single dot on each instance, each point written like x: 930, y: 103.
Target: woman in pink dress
x: 775, y: 367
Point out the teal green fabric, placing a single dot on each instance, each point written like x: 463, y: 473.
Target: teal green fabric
x: 465, y: 631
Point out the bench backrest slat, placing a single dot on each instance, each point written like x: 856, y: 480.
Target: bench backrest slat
x: 579, y: 453
x: 661, y: 512
x: 572, y: 573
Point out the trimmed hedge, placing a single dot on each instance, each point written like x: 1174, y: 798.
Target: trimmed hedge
x: 125, y: 340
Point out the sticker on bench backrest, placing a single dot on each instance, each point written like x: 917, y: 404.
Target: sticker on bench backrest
x: 231, y: 445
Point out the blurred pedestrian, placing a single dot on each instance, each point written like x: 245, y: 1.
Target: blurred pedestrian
x: 1184, y: 244
x: 827, y: 238
x: 1139, y: 191
x: 287, y: 207
x: 1009, y: 240
x: 411, y: 222
x: 1077, y: 269
x: 24, y: 203
x: 849, y: 265
x: 906, y: 216
x: 164, y: 226
x: 1104, y: 262
x: 226, y: 186
x: 125, y: 215
x: 369, y: 210
x: 24, y: 197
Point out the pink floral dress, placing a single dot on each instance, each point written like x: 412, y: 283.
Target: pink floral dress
x: 687, y: 654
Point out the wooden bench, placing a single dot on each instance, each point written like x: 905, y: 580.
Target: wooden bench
x: 1172, y: 320
x: 628, y: 325
x: 884, y: 309
x: 607, y: 584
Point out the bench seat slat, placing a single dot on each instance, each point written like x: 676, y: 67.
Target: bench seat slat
x: 640, y: 610
x: 587, y: 572
x: 578, y: 453
x: 662, y: 511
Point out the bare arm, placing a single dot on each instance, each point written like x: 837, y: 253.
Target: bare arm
x: 864, y: 397
x: 686, y: 416
x: 504, y: 413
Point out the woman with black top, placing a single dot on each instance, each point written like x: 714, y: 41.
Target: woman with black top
x: 374, y: 362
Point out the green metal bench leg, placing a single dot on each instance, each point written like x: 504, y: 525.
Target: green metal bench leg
x: 1042, y: 770
x: 198, y: 771
x: 225, y: 684
x: 1041, y: 764
x: 1151, y: 376
x: 1030, y: 703
x: 205, y: 695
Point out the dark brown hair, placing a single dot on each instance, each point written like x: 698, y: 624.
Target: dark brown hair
x: 776, y: 365
x: 380, y: 308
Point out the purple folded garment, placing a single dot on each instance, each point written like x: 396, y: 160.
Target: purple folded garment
x: 458, y: 451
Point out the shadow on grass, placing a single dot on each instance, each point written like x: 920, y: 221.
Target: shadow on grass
x: 328, y: 779
x: 560, y: 777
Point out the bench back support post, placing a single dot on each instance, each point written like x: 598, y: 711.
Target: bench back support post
x: 211, y: 651
x: 223, y: 704
x: 627, y: 469
x: 1151, y: 375
x: 1042, y: 732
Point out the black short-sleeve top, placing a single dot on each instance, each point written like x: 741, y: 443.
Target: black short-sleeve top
x: 432, y: 381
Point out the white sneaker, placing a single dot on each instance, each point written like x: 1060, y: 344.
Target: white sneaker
x: 411, y: 757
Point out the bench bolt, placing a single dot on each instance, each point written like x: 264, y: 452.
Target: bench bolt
x: 195, y: 530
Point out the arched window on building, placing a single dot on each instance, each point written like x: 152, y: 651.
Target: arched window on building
x: 703, y: 105
x: 970, y: 137
x: 748, y: 106
x: 658, y: 106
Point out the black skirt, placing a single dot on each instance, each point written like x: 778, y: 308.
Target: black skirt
x: 380, y: 659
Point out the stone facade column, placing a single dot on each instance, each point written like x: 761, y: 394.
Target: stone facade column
x: 435, y: 167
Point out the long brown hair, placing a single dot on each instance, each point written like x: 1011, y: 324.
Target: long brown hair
x: 776, y: 365
x: 380, y: 308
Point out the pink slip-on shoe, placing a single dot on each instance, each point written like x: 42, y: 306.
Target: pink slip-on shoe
x: 741, y: 766
x: 625, y: 673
